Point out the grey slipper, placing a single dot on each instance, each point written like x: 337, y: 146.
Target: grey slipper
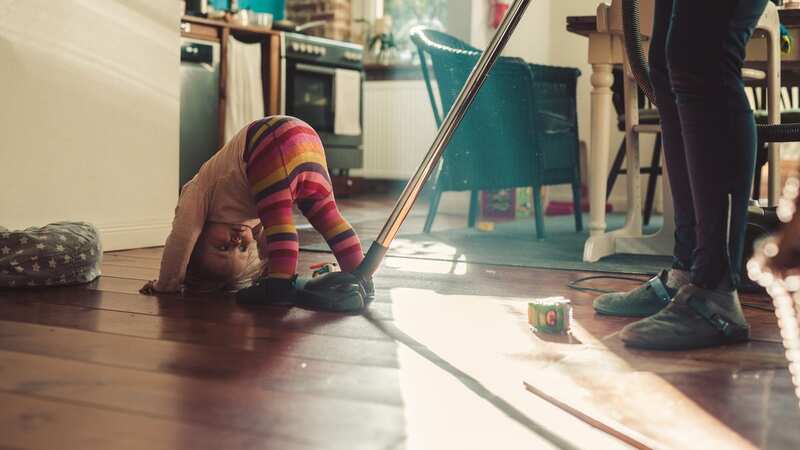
x: 269, y: 292
x: 341, y: 292
x: 643, y: 301
x: 690, y: 321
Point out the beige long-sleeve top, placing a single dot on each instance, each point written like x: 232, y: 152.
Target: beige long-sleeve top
x: 218, y: 193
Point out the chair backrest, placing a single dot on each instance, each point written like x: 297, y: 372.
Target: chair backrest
x: 494, y: 146
x: 555, y: 121
x: 618, y: 97
x: 757, y: 96
x: 521, y: 126
x: 431, y: 42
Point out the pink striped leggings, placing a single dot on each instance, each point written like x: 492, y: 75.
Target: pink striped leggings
x: 286, y: 166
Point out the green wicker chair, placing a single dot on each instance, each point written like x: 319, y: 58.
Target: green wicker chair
x: 521, y: 130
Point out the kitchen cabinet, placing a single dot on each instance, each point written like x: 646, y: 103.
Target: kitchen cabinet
x: 199, y: 104
x: 219, y: 31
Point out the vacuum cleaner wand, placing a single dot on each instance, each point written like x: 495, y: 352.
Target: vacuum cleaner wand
x: 412, y: 190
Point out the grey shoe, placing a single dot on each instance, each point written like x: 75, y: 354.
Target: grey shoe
x: 643, y: 301
x: 269, y: 292
x: 335, y: 292
x: 693, y: 320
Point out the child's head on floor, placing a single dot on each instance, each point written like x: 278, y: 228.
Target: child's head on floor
x: 225, y: 257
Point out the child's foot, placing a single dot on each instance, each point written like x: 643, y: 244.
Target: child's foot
x: 645, y: 300
x: 695, y: 318
x: 269, y: 291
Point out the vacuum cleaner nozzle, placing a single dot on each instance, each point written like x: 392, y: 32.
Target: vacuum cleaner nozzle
x: 336, y: 292
x: 372, y: 261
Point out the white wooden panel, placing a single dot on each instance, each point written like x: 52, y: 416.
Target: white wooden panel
x: 398, y: 128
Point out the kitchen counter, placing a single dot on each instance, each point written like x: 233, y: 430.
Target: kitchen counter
x: 242, y: 29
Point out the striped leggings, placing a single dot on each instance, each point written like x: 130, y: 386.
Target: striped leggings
x: 286, y: 166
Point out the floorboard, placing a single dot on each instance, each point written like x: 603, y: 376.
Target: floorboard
x: 330, y: 348
x: 215, y: 311
x: 267, y: 370
x: 227, y: 405
x: 28, y: 422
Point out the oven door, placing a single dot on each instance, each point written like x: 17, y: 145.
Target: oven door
x: 310, y: 96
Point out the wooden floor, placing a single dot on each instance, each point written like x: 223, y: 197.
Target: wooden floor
x: 442, y: 359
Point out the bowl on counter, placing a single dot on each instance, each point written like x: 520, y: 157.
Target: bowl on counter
x: 263, y: 20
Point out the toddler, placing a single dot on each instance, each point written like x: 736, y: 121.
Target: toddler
x: 233, y: 223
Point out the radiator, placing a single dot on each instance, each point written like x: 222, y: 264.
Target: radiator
x: 398, y: 128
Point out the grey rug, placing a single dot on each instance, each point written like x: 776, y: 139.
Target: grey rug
x: 515, y: 244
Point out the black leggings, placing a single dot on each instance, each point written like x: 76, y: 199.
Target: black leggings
x: 696, y: 56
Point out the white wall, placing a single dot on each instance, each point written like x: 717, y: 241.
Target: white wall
x: 536, y: 33
x: 90, y: 116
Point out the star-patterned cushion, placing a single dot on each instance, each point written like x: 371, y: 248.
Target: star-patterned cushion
x: 57, y: 254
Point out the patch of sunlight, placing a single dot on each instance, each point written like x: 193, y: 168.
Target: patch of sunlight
x: 488, y: 338
x: 458, y: 266
x: 406, y: 247
x: 442, y: 413
x: 477, y: 337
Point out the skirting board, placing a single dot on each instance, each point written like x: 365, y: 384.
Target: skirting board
x: 134, y: 235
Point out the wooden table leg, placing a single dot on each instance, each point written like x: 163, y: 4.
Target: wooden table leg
x: 633, y: 219
x: 630, y: 238
x: 597, y: 246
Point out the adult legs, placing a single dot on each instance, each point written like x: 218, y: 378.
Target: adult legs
x: 705, y: 53
x: 672, y: 139
x: 654, y: 295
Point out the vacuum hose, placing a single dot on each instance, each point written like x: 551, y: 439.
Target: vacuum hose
x: 634, y: 50
x: 789, y: 132
x: 784, y: 132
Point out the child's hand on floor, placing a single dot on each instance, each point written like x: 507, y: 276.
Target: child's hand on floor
x: 149, y: 288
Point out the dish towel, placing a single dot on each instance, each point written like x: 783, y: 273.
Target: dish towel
x: 347, y: 92
x: 245, y: 95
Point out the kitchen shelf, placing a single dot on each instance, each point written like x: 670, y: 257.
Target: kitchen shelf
x: 230, y: 25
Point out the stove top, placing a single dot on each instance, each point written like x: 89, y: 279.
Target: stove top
x: 322, y: 51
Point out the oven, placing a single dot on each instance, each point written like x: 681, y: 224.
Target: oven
x: 323, y: 85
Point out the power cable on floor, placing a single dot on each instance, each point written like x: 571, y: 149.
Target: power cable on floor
x: 575, y: 284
